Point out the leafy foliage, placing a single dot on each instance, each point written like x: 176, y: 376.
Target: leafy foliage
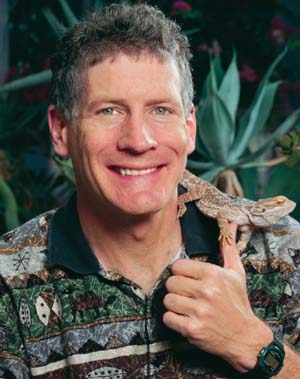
x: 223, y: 137
x: 36, y: 180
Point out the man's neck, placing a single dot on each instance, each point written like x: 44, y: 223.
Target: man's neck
x: 138, y: 248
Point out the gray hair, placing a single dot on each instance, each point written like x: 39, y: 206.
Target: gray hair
x: 130, y: 29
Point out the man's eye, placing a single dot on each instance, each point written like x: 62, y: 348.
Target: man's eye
x: 108, y: 111
x: 160, y: 111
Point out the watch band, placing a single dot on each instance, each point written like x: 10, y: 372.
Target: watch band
x: 269, y: 361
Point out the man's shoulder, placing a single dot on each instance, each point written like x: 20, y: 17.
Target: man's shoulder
x: 24, y: 248
x: 275, y: 248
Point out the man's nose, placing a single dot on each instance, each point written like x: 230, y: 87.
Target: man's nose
x: 136, y: 136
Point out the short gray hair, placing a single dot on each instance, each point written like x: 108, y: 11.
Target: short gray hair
x: 130, y: 29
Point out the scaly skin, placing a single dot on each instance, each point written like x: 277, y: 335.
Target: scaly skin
x: 215, y: 204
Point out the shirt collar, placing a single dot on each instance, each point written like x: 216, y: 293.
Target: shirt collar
x: 68, y: 247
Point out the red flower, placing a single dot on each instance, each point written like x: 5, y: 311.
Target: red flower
x: 248, y: 74
x: 297, y: 89
x: 215, y: 48
x: 202, y: 47
x: 181, y: 6
x: 280, y: 31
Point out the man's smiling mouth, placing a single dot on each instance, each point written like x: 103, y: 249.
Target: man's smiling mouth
x: 135, y: 172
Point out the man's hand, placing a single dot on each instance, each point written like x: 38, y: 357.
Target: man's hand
x: 209, y: 305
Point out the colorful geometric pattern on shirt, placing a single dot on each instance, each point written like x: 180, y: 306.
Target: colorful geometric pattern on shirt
x: 58, y: 324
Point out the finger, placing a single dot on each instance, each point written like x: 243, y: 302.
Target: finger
x: 192, y: 269
x: 230, y: 253
x: 184, y: 286
x: 175, y: 321
x: 179, y: 304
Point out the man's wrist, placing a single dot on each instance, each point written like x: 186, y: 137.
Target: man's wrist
x: 270, y: 361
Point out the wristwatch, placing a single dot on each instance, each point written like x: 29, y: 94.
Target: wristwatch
x: 269, y: 361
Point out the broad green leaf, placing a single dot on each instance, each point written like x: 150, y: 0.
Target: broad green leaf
x: 269, y: 72
x: 66, y: 167
x: 292, y: 121
x: 229, y: 90
x: 191, y: 31
x: 199, y: 166
x: 248, y: 179
x: 10, y: 205
x: 200, y: 147
x: 215, y: 129
x: 216, y: 66
x: 211, y: 82
x: 285, y: 181
x: 98, y: 5
x: 256, y: 121
x: 57, y: 27
x: 266, y: 107
x: 212, y: 173
x: 245, y: 120
x: 70, y: 16
x: 209, y: 86
x: 28, y: 81
x: 254, y: 164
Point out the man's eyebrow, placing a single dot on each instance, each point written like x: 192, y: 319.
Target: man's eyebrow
x: 102, y: 100
x: 109, y: 100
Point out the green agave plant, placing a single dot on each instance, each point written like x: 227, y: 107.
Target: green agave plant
x: 58, y: 28
x: 223, y: 137
x: 11, y: 217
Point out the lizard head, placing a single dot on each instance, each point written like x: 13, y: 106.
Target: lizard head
x: 266, y: 212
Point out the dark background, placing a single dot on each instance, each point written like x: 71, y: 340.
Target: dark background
x: 257, y: 29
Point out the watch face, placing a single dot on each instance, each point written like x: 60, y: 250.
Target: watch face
x: 272, y: 360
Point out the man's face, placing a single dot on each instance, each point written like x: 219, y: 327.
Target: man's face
x: 129, y: 149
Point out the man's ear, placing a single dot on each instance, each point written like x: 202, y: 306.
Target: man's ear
x: 192, y: 126
x: 58, y: 131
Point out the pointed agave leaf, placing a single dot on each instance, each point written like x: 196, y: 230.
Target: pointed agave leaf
x: 211, y: 82
x: 28, y: 81
x: 57, y: 27
x: 70, y: 16
x: 245, y: 120
x: 229, y: 90
x: 200, y: 147
x: 210, y: 174
x: 258, y: 117
x: 10, y: 205
x: 199, y: 166
x: 189, y: 32
x: 292, y: 121
x: 217, y: 68
x: 98, y: 5
x: 66, y: 167
x: 268, y: 74
x: 285, y: 182
x: 215, y: 128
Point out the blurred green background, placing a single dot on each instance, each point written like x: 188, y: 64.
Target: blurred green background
x: 247, y: 110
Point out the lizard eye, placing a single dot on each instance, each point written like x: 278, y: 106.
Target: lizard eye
x: 280, y: 199
x: 259, y: 209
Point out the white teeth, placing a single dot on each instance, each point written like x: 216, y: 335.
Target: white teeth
x: 127, y: 171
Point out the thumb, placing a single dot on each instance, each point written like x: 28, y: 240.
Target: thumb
x: 230, y: 253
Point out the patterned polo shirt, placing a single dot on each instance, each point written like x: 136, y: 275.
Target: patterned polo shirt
x: 62, y: 315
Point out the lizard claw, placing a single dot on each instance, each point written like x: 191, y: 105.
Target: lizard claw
x: 225, y: 238
x: 181, y: 210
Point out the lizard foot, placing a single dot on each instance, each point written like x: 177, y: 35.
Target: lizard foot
x: 226, y: 238
x: 181, y: 210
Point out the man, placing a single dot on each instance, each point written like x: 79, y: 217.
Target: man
x: 92, y: 290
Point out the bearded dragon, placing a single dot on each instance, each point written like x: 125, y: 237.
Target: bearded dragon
x: 224, y: 208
